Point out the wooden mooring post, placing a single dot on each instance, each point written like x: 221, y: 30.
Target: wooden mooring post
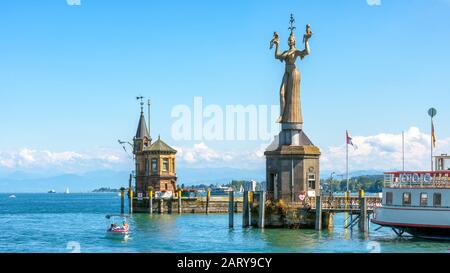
x: 208, y: 197
x: 262, y: 209
x: 122, y: 200
x: 130, y: 194
x: 179, y: 201
x: 170, y: 206
x: 362, y: 212
x: 150, y: 200
x: 318, y: 212
x: 245, y: 210
x: 161, y: 206
x: 231, y: 209
x: 130, y: 197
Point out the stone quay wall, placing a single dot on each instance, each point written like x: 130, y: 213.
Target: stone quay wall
x: 188, y: 205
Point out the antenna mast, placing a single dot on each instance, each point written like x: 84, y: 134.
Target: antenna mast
x: 149, y: 134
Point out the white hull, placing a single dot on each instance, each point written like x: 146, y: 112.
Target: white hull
x: 423, y: 220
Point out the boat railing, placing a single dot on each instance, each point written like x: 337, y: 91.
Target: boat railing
x: 436, y: 179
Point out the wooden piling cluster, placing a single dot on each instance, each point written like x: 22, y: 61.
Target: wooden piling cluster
x: 248, y: 200
x: 179, y: 204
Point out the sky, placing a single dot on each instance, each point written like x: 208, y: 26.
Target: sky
x: 70, y: 72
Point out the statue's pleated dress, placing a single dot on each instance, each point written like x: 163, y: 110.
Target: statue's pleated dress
x: 290, y: 87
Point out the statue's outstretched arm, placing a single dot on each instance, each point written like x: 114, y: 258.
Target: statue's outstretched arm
x: 278, y: 55
x: 306, y: 51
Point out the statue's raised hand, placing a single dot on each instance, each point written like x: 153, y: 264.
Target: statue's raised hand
x: 275, y: 40
x: 308, y: 33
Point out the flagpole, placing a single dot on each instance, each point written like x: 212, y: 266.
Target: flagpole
x: 403, y: 150
x: 431, y: 146
x: 346, y: 146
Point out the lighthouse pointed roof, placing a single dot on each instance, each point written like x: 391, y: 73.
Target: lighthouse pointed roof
x: 142, y: 130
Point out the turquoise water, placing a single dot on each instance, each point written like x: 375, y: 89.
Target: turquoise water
x: 76, y: 222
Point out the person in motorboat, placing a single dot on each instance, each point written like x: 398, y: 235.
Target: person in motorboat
x: 125, y: 225
x: 112, y: 227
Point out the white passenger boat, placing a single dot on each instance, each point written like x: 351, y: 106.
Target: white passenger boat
x: 220, y: 191
x: 417, y: 203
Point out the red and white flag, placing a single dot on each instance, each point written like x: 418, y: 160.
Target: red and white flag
x: 349, y: 140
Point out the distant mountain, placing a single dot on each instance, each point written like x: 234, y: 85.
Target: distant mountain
x: 87, y: 182
x: 338, y: 175
x: 76, y: 183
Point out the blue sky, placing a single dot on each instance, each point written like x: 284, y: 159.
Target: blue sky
x: 69, y: 74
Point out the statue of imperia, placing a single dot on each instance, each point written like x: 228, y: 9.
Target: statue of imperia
x: 290, y: 106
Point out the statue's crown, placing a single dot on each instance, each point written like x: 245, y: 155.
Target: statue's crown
x: 291, y: 23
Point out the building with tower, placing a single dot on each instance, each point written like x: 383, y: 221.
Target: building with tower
x: 155, y: 162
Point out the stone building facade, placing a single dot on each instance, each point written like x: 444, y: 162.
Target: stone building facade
x: 155, y: 163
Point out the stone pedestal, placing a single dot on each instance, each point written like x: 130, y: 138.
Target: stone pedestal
x: 292, y: 166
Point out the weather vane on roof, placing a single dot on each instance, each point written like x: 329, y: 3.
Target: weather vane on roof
x: 142, y: 102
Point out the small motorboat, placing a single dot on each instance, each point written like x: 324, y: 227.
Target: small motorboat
x: 118, y: 227
x: 51, y: 191
x: 12, y: 196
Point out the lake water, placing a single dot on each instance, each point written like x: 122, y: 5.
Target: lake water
x: 76, y: 222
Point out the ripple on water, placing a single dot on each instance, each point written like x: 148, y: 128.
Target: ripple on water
x: 57, y: 222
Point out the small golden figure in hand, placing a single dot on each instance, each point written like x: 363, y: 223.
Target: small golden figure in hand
x: 308, y: 33
x: 274, y: 40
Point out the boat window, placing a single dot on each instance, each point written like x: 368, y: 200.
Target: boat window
x: 437, y: 199
x: 406, y: 198
x: 389, y: 198
x: 424, y: 199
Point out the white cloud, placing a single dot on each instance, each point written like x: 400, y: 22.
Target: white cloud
x: 201, y: 155
x: 384, y: 152
x: 27, y: 159
x: 378, y: 152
